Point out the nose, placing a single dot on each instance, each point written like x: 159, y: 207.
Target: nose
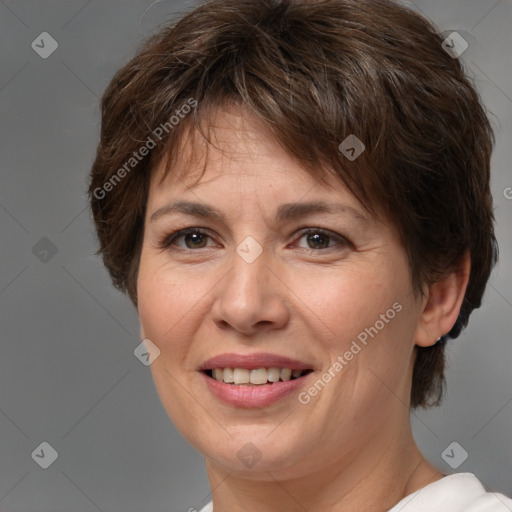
x: 251, y: 298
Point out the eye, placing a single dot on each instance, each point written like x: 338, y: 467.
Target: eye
x: 318, y: 239
x: 194, y: 238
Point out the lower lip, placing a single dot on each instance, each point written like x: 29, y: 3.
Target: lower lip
x: 253, y: 396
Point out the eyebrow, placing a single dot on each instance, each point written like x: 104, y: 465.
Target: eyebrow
x: 285, y: 212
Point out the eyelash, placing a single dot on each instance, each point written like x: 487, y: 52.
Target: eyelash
x: 168, y: 240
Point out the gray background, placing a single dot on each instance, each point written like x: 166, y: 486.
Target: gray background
x: 68, y: 375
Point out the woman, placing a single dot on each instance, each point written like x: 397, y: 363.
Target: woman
x: 295, y: 195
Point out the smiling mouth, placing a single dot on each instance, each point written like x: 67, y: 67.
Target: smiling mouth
x: 256, y: 376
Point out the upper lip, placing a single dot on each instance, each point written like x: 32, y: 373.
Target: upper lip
x: 253, y: 361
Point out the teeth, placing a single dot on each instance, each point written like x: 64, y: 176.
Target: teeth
x: 241, y: 376
x: 257, y: 376
x: 273, y: 374
x: 228, y: 375
x: 286, y: 374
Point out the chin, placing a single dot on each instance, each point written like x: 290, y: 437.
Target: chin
x: 253, y: 453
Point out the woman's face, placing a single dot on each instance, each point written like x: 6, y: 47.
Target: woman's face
x: 274, y: 281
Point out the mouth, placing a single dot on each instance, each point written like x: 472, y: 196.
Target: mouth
x: 254, y: 380
x: 256, y: 376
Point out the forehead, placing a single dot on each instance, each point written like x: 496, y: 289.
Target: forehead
x: 234, y: 144
x: 247, y: 172
x: 235, y: 170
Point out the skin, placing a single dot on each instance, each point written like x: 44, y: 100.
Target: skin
x: 351, y: 447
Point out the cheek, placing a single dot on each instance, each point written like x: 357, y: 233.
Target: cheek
x: 164, y: 309
x: 370, y: 315
x: 356, y: 300
x: 163, y: 305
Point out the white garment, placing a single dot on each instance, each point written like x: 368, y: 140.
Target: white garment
x: 461, y: 492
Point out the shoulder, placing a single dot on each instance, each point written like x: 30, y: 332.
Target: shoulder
x: 460, y: 492
x: 209, y: 507
x: 490, y: 502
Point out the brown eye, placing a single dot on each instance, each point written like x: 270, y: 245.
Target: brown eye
x: 193, y: 239
x: 318, y: 239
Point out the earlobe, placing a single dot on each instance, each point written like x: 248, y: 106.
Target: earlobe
x: 442, y: 305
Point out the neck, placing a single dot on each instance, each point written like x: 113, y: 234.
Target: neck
x: 397, y: 469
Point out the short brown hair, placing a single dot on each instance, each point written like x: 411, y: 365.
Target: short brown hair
x: 315, y: 72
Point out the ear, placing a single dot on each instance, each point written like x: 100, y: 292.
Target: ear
x: 442, y: 305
